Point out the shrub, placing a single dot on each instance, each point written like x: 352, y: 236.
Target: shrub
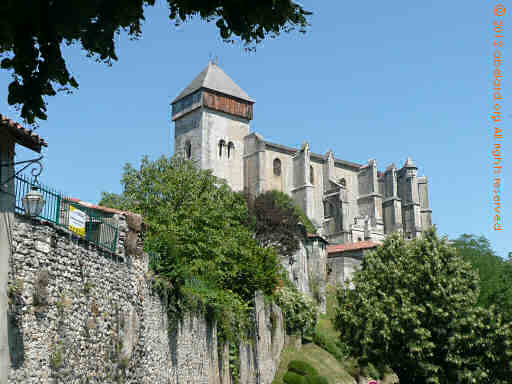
x: 302, y: 368
x: 371, y: 372
x: 335, y: 347
x: 299, y: 311
x: 316, y: 380
x: 294, y: 378
x: 351, y: 365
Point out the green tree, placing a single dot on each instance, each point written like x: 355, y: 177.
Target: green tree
x: 494, y: 272
x: 413, y: 309
x: 209, y: 259
x: 113, y: 200
x: 32, y: 33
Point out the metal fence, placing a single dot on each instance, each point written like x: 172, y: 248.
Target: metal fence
x: 100, y: 227
x: 52, y: 198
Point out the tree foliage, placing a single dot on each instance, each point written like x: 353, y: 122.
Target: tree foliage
x: 209, y: 259
x: 32, y: 33
x: 413, y: 309
x: 494, y: 272
x: 113, y: 200
x: 277, y: 221
x: 300, y: 312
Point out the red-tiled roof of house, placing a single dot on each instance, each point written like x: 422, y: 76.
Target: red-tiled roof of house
x: 338, y: 248
x: 97, y: 207
x: 23, y: 136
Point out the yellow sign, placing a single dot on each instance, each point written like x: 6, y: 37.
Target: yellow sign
x: 77, y: 220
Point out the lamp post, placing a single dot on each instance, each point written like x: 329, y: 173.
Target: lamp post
x: 33, y: 202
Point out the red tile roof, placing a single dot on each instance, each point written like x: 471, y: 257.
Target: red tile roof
x: 22, y: 135
x: 331, y: 249
x: 97, y: 207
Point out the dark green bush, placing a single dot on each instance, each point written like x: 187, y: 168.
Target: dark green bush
x: 294, y: 378
x: 302, y: 368
x: 316, y: 380
x: 371, y: 371
x: 335, y: 347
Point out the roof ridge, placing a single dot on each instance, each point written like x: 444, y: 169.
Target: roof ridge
x: 338, y: 248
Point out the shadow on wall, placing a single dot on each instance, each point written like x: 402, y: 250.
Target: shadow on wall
x: 15, y: 338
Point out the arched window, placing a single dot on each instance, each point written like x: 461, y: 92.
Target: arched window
x: 311, y: 174
x: 231, y: 149
x: 222, y: 145
x: 188, y: 149
x: 277, y: 167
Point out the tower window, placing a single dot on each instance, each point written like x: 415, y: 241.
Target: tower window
x: 311, y: 174
x: 231, y: 149
x: 277, y: 167
x: 222, y: 145
x: 188, y: 149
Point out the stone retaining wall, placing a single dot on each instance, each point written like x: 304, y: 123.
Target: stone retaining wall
x: 78, y: 314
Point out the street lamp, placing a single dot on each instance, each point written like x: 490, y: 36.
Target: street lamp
x: 33, y: 202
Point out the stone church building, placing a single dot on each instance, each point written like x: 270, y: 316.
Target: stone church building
x: 348, y: 202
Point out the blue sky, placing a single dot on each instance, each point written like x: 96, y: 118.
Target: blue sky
x: 382, y: 80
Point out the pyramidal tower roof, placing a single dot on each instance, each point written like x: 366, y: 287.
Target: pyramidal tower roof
x: 214, y: 78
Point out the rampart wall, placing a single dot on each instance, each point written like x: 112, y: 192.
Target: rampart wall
x: 79, y: 314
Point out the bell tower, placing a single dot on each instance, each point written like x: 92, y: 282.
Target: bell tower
x: 211, y: 118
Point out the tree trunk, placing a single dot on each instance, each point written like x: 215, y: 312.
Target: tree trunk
x: 7, y: 202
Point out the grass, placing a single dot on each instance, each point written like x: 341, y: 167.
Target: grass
x: 323, y: 361
x: 325, y: 321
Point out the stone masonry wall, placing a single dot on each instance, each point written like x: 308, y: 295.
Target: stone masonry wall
x: 78, y: 314
x: 307, y: 269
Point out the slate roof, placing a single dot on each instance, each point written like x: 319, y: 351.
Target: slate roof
x: 316, y: 156
x: 23, y: 136
x: 331, y: 249
x: 214, y: 78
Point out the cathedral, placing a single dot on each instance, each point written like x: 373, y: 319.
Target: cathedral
x: 347, y: 202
